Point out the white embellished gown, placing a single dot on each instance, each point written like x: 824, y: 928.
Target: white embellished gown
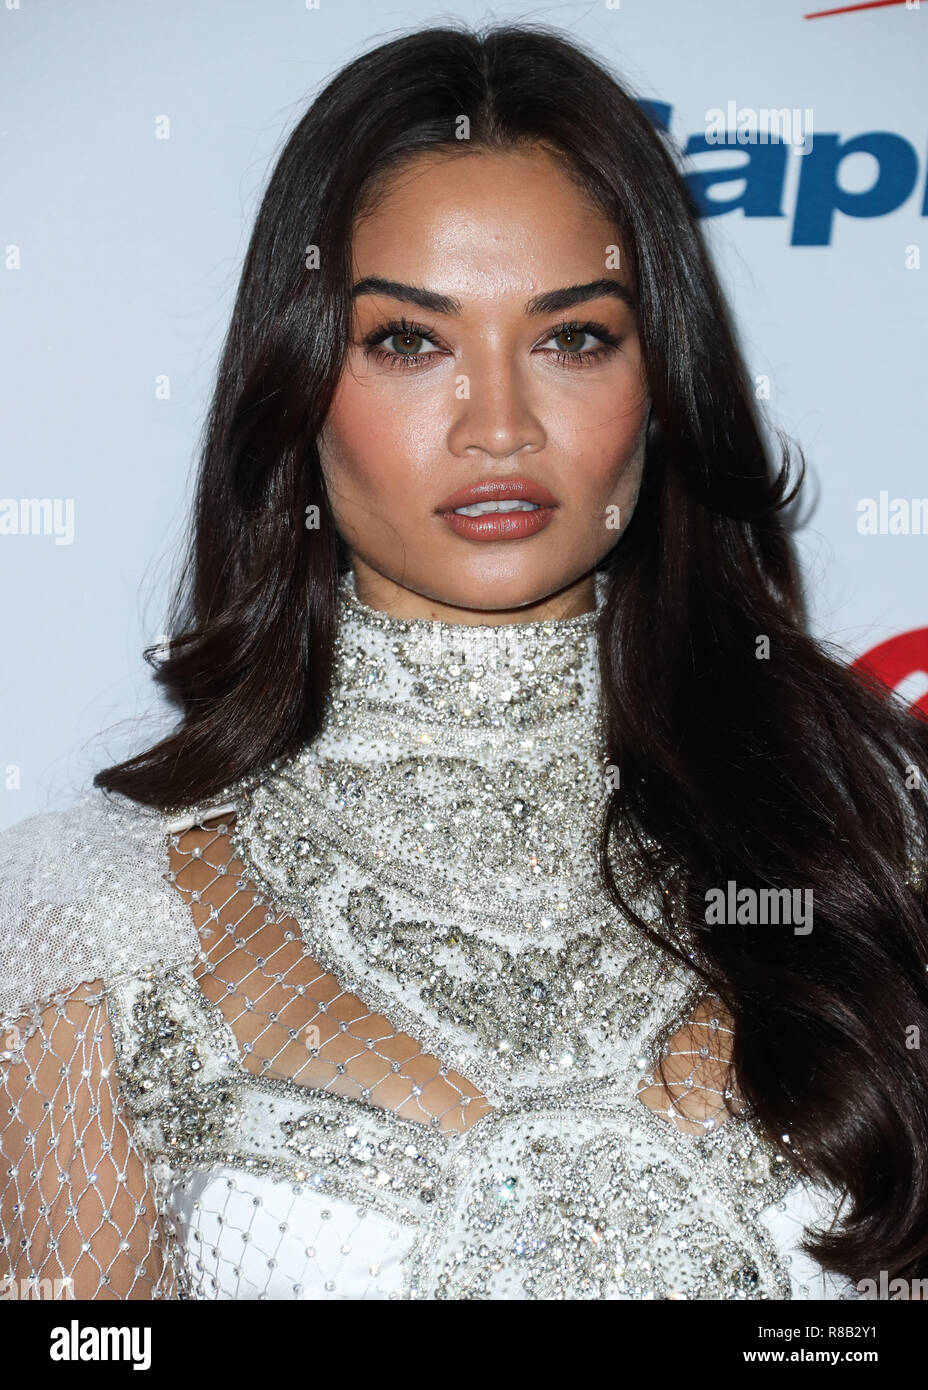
x: 369, y: 1027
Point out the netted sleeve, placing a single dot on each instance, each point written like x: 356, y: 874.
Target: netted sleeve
x: 78, y: 1214
x: 83, y: 903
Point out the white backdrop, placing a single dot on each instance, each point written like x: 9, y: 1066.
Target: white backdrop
x: 121, y: 251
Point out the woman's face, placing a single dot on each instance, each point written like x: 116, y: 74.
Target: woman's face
x: 460, y: 373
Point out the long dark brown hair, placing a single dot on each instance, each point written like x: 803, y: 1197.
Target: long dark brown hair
x: 788, y: 770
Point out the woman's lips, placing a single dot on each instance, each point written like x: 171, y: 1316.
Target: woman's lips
x: 499, y: 490
x: 499, y: 526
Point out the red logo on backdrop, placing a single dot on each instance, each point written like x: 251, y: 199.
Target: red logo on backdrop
x: 849, y: 9
x: 901, y: 659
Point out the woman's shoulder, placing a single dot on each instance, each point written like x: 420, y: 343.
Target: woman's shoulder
x: 83, y: 896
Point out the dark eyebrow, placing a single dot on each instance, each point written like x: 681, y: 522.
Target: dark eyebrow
x: 551, y: 302
x: 556, y: 300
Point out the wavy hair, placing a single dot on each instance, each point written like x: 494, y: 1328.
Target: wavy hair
x: 789, y: 770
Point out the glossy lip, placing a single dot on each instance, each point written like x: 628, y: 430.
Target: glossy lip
x: 499, y: 526
x: 499, y: 490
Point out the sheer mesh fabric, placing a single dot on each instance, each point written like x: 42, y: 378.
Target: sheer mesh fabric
x: 78, y: 1216
x: 78, y: 1210
x: 292, y: 1019
x: 692, y: 1083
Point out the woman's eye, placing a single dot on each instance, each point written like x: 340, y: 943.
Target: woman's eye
x: 570, y: 339
x: 407, y: 342
x: 576, y: 346
x: 403, y: 347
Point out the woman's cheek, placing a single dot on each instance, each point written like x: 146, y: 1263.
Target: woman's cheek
x: 361, y: 473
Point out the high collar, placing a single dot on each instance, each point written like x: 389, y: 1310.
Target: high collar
x: 481, y: 680
x: 518, y: 692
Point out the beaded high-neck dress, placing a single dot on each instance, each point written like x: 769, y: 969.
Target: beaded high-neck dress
x: 369, y: 1026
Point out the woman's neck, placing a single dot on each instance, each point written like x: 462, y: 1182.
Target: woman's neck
x: 386, y: 596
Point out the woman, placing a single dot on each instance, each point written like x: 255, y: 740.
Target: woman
x: 398, y: 969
